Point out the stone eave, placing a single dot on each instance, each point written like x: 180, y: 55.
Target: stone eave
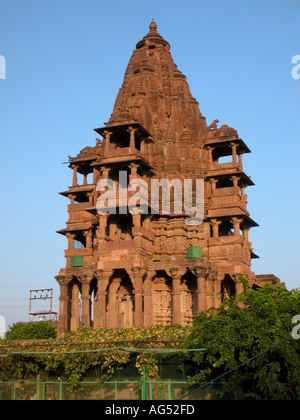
x: 77, y: 189
x: 213, y: 173
x: 72, y: 229
x: 121, y: 126
x: 226, y: 141
x: 247, y: 219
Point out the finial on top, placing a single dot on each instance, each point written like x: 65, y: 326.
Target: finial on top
x: 153, y: 25
x: 153, y: 37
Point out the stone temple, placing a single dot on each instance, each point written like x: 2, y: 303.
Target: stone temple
x: 126, y: 269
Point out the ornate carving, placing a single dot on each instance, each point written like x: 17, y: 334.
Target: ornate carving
x: 161, y: 295
x: 138, y: 265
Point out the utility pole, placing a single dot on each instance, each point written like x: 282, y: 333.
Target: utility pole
x: 42, y: 294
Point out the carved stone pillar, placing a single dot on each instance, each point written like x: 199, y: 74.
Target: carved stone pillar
x: 201, y: 290
x: 90, y: 196
x: 216, y: 224
x: 234, y: 155
x: 84, y: 179
x: 137, y: 280
x: 100, y: 310
x: 217, y: 299
x: 132, y: 137
x: 104, y: 172
x: 138, y: 307
x: 176, y: 294
x: 74, y: 307
x: 133, y: 171
x: 236, y: 225
x: 100, y: 299
x: 148, y: 299
x: 96, y: 175
x: 213, y: 183
x: 101, y: 232
x: 209, y: 293
x: 72, y: 198
x: 240, y: 160
x: 74, y: 183
x: 86, y: 300
x: 136, y: 219
x: 244, y: 196
x: 70, y: 237
x: 210, y: 159
x: 246, y: 237
x: 63, y: 319
x: 113, y: 304
x: 88, y: 240
x: 107, y: 142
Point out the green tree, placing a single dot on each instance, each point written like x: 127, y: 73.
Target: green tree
x: 31, y: 331
x: 240, y: 329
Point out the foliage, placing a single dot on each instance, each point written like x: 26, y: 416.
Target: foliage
x: 31, y: 331
x: 240, y: 329
x: 107, y: 349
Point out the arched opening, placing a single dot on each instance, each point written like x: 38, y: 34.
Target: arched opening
x: 120, y: 139
x: 126, y: 303
x: 226, y: 228
x: 224, y: 183
x: 79, y: 241
x: 189, y: 307
x: 162, y: 299
x: 228, y: 289
x: 120, y: 301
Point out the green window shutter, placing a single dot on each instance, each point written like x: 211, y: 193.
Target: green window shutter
x: 194, y: 252
x: 77, y: 261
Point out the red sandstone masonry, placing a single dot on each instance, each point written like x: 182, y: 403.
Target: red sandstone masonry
x: 135, y: 270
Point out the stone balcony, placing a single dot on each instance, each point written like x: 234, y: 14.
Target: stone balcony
x: 226, y: 240
x: 125, y: 154
x: 223, y: 168
x: 223, y: 204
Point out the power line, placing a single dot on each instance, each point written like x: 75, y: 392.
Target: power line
x: 9, y: 299
x: 13, y: 307
x: 19, y: 285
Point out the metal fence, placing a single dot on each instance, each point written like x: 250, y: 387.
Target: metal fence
x: 94, y: 390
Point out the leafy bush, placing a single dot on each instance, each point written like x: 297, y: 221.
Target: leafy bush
x: 242, y: 328
x: 107, y: 350
x: 31, y: 331
x: 233, y: 335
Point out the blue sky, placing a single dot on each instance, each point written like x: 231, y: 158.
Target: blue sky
x: 65, y: 61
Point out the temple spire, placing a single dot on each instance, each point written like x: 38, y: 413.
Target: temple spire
x: 153, y: 26
x: 153, y: 37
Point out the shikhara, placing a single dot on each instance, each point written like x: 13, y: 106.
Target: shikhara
x: 140, y: 257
